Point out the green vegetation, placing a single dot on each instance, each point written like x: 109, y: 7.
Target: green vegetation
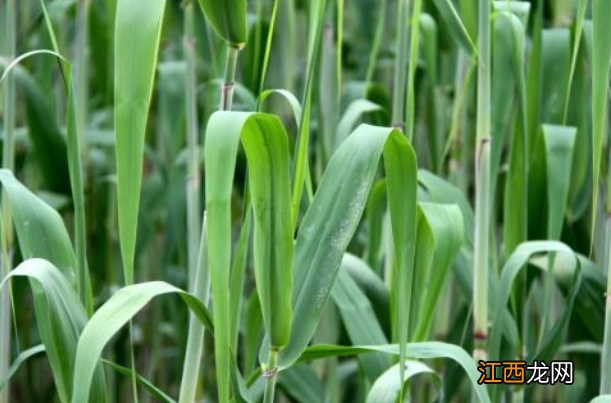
x: 337, y: 201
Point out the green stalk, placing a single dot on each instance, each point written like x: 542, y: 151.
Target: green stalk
x: 400, y: 82
x: 268, y: 45
x: 8, y: 161
x: 195, y: 341
x: 482, y: 187
x: 270, y: 375
x: 377, y: 40
x: 339, y: 54
x: 605, y: 374
x: 413, y: 61
x: 193, y: 175
x: 81, y: 66
x: 228, y: 85
x: 78, y: 149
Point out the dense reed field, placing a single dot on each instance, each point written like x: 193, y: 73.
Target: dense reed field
x: 313, y: 201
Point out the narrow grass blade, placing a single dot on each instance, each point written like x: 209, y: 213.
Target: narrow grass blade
x: 135, y: 61
x: 154, y: 391
x: 23, y: 357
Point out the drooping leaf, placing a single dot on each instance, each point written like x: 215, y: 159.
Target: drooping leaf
x: 60, y: 319
x: 110, y: 318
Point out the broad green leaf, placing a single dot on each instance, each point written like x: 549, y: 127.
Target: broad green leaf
x: 60, y: 319
x: 601, y: 68
x: 135, y: 61
x: 372, y: 286
x: 266, y: 145
x: 555, y: 72
x: 301, y: 383
x: 601, y: 399
x: 515, y: 208
x: 548, y: 191
x: 440, y: 236
x: 355, y: 111
x: 430, y: 50
x: 420, y: 351
x: 110, y: 318
x: 332, y: 219
x: 387, y: 387
x: 48, y: 142
x: 360, y: 321
x: 512, y: 268
x: 228, y: 19
x: 455, y: 24
x: 40, y: 229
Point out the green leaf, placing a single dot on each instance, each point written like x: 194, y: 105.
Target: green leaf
x: 440, y: 234
x: 266, y: 145
x: 60, y: 318
x: 111, y: 317
x: 19, y: 361
x: 332, y: 219
x: 355, y: 111
x: 228, y: 19
x: 387, y: 387
x: 512, y: 268
x: 601, y: 68
x: 40, y: 229
x: 360, y: 320
x: 135, y: 61
x: 48, y: 142
x: 153, y: 390
x: 421, y: 351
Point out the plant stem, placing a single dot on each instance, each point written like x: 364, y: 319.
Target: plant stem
x: 400, y: 82
x: 377, y: 40
x: 605, y: 373
x: 8, y: 162
x: 482, y: 187
x: 193, y: 175
x: 270, y: 375
x: 195, y: 341
x: 229, y: 79
x: 413, y: 61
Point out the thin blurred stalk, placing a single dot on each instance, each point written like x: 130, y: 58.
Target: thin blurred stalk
x: 339, y: 27
x: 413, y: 62
x: 377, y: 40
x: 482, y: 186
x: 193, y: 175
x: 268, y: 45
x: 8, y: 162
x: 81, y: 67
x: 195, y: 341
x: 401, y: 56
